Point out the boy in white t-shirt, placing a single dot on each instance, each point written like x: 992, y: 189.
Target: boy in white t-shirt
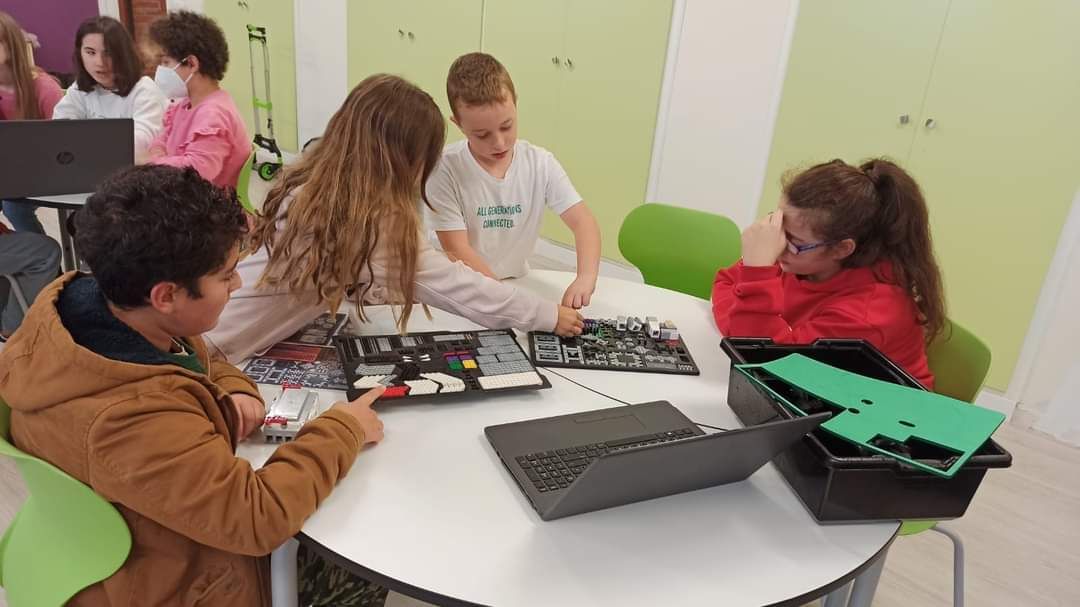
x: 489, y: 191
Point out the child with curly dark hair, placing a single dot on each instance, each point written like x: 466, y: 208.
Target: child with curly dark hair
x: 202, y: 127
x: 109, y: 379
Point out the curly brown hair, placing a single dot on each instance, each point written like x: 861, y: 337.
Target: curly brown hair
x: 150, y: 223
x: 182, y: 34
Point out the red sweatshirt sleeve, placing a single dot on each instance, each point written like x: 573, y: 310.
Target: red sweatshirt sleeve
x: 749, y: 302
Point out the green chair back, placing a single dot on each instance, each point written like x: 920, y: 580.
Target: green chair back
x: 959, y: 361
x: 244, y: 182
x: 679, y: 249
x: 65, y: 537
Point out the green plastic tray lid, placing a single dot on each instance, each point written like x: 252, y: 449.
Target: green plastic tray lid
x: 869, y: 408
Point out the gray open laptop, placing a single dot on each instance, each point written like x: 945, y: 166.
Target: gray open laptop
x: 570, y: 464
x: 53, y: 157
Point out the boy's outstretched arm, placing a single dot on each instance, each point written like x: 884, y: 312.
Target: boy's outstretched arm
x: 586, y: 231
x: 456, y: 245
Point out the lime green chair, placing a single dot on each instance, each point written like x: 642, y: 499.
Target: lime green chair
x: 679, y: 249
x: 65, y: 537
x: 243, y: 183
x: 959, y: 361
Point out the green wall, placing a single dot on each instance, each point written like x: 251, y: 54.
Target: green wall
x: 278, y: 19
x: 1002, y: 163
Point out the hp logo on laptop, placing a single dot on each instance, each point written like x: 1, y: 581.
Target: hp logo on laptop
x: 65, y: 157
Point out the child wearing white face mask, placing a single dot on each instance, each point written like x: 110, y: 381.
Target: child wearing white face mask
x: 202, y: 127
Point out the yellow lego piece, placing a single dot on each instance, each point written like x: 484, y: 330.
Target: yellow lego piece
x: 469, y: 363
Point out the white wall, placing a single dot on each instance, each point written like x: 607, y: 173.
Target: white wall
x: 321, y: 64
x: 721, y: 92
x: 1047, y: 380
x: 109, y: 8
x: 725, y: 71
x: 189, y: 5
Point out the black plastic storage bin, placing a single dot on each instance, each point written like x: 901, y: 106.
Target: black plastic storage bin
x: 837, y: 480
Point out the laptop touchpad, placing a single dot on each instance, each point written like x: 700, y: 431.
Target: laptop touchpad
x: 610, y: 424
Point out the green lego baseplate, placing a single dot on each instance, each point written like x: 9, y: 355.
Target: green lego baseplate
x: 876, y: 414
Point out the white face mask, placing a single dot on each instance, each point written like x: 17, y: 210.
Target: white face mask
x: 170, y: 82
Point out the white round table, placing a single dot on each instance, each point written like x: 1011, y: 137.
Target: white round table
x: 432, y: 513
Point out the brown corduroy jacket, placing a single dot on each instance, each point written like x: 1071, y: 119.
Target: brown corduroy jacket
x: 157, y: 440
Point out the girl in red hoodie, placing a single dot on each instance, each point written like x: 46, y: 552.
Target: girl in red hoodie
x: 847, y: 254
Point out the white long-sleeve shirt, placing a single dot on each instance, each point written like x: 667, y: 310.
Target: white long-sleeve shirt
x: 255, y: 319
x: 145, y: 104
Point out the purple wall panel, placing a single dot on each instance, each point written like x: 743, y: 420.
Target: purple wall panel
x: 54, y: 22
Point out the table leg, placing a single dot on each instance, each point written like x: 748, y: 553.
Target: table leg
x: 864, y: 586
x: 283, y: 584
x: 66, y: 247
x: 838, y: 597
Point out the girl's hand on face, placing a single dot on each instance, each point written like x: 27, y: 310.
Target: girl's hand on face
x: 764, y: 242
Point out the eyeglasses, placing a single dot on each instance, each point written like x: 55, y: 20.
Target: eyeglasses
x: 798, y: 249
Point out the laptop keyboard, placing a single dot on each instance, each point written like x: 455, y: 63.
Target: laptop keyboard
x: 555, y: 470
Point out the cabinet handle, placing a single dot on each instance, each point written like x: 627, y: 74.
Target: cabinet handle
x: 401, y: 33
x: 569, y: 63
x: 555, y: 60
x: 931, y: 123
x: 904, y: 118
x: 411, y: 36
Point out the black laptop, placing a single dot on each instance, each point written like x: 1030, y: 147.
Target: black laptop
x: 570, y: 464
x: 53, y: 157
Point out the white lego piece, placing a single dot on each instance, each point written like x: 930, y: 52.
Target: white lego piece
x: 652, y: 326
x: 669, y: 334
x: 420, y: 387
x: 510, y: 380
x: 288, y: 413
x: 620, y: 323
x: 369, y: 381
x: 449, y: 382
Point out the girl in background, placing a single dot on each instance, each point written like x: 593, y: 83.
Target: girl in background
x: 110, y: 84
x: 202, y: 128
x: 26, y: 93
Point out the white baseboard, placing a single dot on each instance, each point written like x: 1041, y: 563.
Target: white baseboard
x: 992, y: 399
x: 565, y: 254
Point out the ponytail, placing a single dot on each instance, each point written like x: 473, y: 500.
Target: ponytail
x: 903, y: 227
x: 881, y: 208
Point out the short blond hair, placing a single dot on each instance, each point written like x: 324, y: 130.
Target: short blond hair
x: 478, y: 79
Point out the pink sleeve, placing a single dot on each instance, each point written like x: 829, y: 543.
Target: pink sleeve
x: 49, y: 94
x: 208, y: 145
x: 159, y: 141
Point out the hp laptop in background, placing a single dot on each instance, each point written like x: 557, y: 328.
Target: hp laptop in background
x: 52, y: 157
x: 570, y: 464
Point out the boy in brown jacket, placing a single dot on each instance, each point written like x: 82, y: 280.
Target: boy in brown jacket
x: 109, y: 380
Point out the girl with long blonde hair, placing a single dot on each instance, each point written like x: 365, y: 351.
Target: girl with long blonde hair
x: 26, y: 93
x: 344, y: 222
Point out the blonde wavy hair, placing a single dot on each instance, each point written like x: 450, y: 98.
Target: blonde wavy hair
x: 24, y: 71
x: 361, y: 184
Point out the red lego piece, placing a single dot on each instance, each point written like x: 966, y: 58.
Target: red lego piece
x: 395, y: 392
